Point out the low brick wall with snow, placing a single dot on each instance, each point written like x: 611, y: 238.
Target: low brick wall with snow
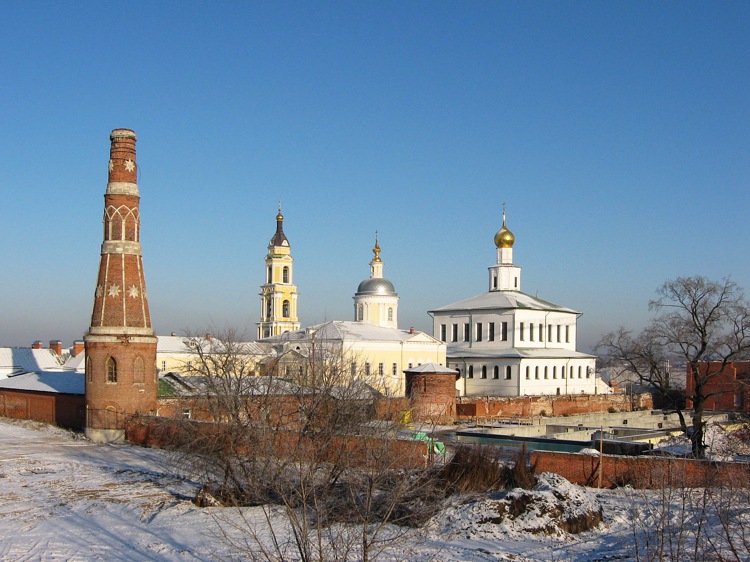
x: 640, y: 472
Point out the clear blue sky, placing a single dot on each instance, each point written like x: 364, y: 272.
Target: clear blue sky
x: 618, y: 133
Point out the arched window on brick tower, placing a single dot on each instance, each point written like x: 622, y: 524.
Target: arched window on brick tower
x: 111, y: 369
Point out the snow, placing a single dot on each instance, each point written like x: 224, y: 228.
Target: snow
x: 64, y: 498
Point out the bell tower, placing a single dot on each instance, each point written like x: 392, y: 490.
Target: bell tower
x: 120, y: 344
x: 278, y: 295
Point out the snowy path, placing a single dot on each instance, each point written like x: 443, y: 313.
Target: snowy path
x: 66, y: 499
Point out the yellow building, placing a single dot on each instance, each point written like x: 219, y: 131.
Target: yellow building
x: 371, y: 354
x: 278, y: 295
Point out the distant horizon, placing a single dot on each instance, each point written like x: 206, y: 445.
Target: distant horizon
x: 616, y: 134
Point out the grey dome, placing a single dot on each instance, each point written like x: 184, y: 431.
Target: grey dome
x: 376, y: 286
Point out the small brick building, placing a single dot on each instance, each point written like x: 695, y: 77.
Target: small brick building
x: 431, y: 390
x: 727, y: 391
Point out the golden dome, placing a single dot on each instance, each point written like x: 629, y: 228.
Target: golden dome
x: 504, y: 237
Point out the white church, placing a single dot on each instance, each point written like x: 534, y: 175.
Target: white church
x: 507, y: 343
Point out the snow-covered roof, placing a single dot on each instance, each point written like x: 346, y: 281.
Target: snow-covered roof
x: 432, y: 368
x: 178, y: 344
x: 25, y: 359
x: 504, y: 300
x: 346, y: 330
x: 62, y: 382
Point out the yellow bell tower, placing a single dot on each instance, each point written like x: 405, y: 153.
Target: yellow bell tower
x: 278, y: 295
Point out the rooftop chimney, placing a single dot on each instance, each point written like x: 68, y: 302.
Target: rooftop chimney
x: 78, y: 347
x: 56, y: 346
x: 37, y: 345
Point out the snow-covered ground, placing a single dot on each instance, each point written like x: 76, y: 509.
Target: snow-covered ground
x: 63, y: 498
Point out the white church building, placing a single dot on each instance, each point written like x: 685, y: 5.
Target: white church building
x: 507, y: 343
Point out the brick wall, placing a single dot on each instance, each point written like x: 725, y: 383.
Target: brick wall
x: 64, y: 410
x: 639, y: 472
x: 318, y: 447
x: 527, y: 406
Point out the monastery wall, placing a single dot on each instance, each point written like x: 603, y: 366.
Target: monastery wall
x: 640, y: 472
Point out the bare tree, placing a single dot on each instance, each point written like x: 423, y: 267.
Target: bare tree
x: 703, y: 323
x: 299, y: 441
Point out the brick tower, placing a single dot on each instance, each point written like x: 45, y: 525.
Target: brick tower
x: 120, y: 345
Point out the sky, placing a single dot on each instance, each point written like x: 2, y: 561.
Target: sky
x: 617, y: 134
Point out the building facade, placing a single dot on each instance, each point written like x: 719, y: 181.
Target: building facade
x: 120, y: 346
x: 507, y: 343
x: 278, y: 295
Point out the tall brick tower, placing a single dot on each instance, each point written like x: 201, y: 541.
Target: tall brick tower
x: 120, y: 345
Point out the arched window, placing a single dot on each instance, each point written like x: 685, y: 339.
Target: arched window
x: 496, y: 372
x: 360, y: 312
x: 562, y: 370
x: 536, y: 372
x: 508, y: 373
x: 269, y: 307
x: 139, y: 371
x: 484, y: 371
x: 268, y: 275
x: 111, y: 370
x: 285, y: 274
x: 545, y: 373
x: 285, y: 307
x: 471, y: 371
x: 527, y: 373
x: 554, y: 372
x: 390, y: 314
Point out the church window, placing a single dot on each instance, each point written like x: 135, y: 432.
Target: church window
x: 471, y: 371
x: 266, y: 332
x: 545, y: 373
x: 531, y: 331
x: 285, y: 275
x: 508, y: 373
x: 367, y: 370
x: 567, y: 334
x: 588, y: 372
x: 360, y: 312
x: 554, y: 372
x: 558, y: 333
x: 111, y: 370
x: 515, y: 282
x: 491, y: 335
x: 549, y: 333
x: 536, y: 373
x: 454, y: 332
x: 496, y: 372
x: 268, y: 275
x: 381, y: 369
x: 562, y: 370
x: 394, y: 369
x: 443, y: 332
x: 139, y: 371
x: 520, y: 331
x: 269, y: 307
x: 390, y: 314
x: 494, y: 281
x: 505, y: 331
x: 479, y: 331
x: 579, y: 371
x: 541, y: 333
x: 484, y: 371
x: 286, y: 309
x: 527, y: 373
x: 467, y: 331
